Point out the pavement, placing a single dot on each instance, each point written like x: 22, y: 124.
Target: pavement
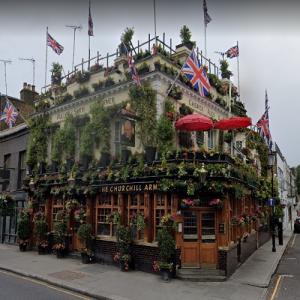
x: 100, y: 281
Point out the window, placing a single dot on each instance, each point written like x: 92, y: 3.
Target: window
x: 117, y: 138
x: 162, y: 207
x: 136, y: 205
x: 200, y: 138
x: 106, y: 205
x: 190, y: 228
x: 208, y: 227
x: 57, y: 205
x: 22, y: 168
x: 210, y: 139
x: 6, y: 166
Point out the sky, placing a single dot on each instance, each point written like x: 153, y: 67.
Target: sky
x: 267, y: 32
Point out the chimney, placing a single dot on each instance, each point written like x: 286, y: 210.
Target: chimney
x: 28, y: 93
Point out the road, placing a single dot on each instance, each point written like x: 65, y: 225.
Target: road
x: 285, y: 284
x: 14, y: 287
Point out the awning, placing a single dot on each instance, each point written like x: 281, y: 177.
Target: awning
x: 194, y: 122
x: 233, y: 123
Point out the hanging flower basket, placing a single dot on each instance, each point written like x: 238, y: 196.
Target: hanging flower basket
x: 216, y: 203
x: 187, y: 203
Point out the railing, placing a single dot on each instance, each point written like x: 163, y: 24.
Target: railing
x: 108, y: 59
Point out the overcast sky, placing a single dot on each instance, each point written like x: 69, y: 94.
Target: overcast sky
x: 267, y: 31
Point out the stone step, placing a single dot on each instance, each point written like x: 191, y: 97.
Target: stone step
x: 198, y: 275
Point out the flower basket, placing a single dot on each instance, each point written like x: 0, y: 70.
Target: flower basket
x: 216, y: 203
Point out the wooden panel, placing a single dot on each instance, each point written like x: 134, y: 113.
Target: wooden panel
x: 208, y: 254
x: 190, y: 254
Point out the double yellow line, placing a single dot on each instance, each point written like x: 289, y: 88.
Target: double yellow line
x: 45, y: 284
x: 276, y: 287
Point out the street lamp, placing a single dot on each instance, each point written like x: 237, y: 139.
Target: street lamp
x: 271, y: 162
x: 203, y: 173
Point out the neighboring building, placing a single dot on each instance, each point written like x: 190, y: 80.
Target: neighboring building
x: 286, y: 188
x: 13, y: 143
x: 210, y: 235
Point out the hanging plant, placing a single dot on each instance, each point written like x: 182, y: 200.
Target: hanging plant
x: 71, y: 205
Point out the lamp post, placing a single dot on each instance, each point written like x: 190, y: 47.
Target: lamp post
x: 203, y: 173
x: 271, y: 162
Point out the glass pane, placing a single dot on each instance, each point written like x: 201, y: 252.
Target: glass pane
x: 200, y: 138
x: 103, y: 229
x: 208, y: 227
x: 190, y: 229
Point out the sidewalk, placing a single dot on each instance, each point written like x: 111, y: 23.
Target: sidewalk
x: 249, y: 282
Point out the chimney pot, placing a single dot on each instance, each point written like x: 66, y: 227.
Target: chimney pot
x: 33, y: 88
x: 29, y: 87
x: 24, y: 85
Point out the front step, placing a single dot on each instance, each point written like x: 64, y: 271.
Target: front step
x: 201, y: 275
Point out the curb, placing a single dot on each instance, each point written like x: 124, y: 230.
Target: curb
x: 59, y: 285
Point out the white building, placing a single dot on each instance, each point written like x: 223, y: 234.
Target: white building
x: 286, y: 188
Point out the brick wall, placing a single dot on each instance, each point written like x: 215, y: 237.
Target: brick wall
x: 143, y: 256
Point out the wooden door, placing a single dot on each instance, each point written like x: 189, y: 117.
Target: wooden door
x: 208, y: 242
x: 190, y: 252
x: 199, y: 235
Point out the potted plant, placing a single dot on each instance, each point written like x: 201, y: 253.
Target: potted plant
x: 56, y: 73
x: 225, y: 73
x: 216, y: 203
x: 40, y: 231
x: 125, y: 46
x: 185, y: 35
x: 124, y: 242
x: 166, y: 246
x: 60, y: 232
x: 85, y: 236
x: 24, y: 230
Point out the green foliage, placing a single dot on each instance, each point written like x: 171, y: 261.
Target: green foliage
x: 127, y: 35
x: 64, y: 141
x: 165, y: 134
x: 87, y: 141
x: 37, y: 144
x: 186, y: 35
x: 143, y: 101
x: 166, y: 245
x: 85, y: 232
x: 40, y: 225
x: 24, y: 231
x: 278, y: 211
x: 56, y: 68
x: 123, y: 235
x: 225, y: 73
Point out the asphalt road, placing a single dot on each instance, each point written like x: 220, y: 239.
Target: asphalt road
x: 14, y: 287
x: 286, y: 282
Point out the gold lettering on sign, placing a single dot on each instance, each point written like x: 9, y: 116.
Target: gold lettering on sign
x: 196, y: 105
x: 117, y: 188
x: 108, y: 101
x: 76, y: 111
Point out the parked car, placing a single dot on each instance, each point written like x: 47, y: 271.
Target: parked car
x: 297, y: 225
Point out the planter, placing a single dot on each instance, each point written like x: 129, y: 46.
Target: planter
x: 105, y: 159
x: 85, y: 259
x: 150, y: 153
x: 61, y: 253
x: 43, y: 250
x: 23, y: 247
x: 157, y: 66
x: 56, y: 79
x: 124, y: 267
x: 165, y: 275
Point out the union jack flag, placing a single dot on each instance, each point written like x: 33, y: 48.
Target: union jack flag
x: 9, y: 114
x: 133, y: 70
x: 197, y: 75
x: 233, y: 52
x: 56, y: 47
x: 90, y: 30
x: 263, y: 125
x: 207, y: 17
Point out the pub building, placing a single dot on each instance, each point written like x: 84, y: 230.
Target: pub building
x: 199, y: 178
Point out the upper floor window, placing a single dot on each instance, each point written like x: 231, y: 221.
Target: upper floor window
x: 210, y: 139
x: 21, y: 168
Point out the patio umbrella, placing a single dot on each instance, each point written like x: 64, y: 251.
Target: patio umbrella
x: 233, y: 123
x: 194, y: 122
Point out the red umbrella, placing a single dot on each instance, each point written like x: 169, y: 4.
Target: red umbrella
x: 233, y: 123
x: 194, y: 122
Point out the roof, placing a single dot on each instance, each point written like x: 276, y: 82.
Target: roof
x: 24, y: 109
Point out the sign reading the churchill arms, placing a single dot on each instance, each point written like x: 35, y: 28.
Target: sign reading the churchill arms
x: 128, y: 187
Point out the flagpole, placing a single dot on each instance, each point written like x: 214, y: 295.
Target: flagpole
x: 238, y: 69
x: 46, y: 63
x: 154, y: 10
x: 89, y: 63
x: 205, y: 37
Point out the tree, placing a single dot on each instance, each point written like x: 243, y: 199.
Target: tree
x: 186, y: 35
x: 225, y: 73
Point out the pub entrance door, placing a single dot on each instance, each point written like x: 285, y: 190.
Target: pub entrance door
x: 199, y: 239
